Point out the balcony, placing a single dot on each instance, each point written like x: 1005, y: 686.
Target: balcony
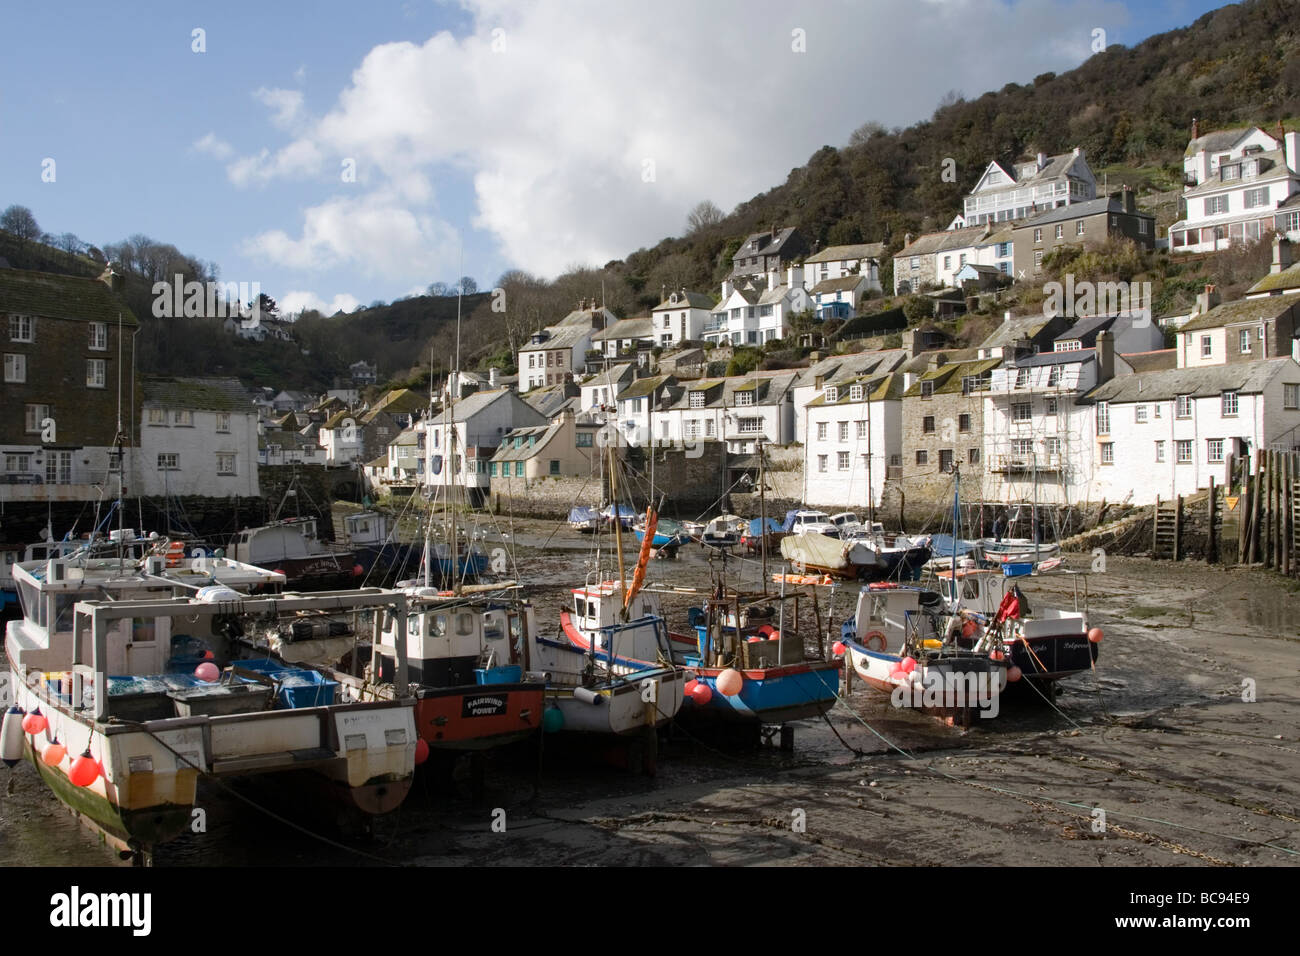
x: 1025, y: 464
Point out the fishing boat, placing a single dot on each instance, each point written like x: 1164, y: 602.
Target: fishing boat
x: 121, y: 724
x: 584, y: 520
x: 761, y: 531
x: 667, y: 535
x: 292, y: 546
x: 723, y: 531
x: 884, y: 557
x: 817, y: 552
x: 624, y: 515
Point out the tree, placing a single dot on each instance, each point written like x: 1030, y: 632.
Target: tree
x: 467, y: 285
x: 70, y: 244
x: 704, y: 215
x: 865, y: 132
x: 440, y: 289
x: 266, y: 308
x: 20, y: 221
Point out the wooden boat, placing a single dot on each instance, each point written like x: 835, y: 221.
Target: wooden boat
x: 585, y: 520
x: 292, y: 546
x: 760, y: 530
x: 724, y: 531
x: 668, y: 535
x: 128, y: 725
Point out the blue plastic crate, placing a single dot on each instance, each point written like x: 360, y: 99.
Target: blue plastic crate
x: 304, y: 688
x: 509, y: 674
x: 1018, y: 569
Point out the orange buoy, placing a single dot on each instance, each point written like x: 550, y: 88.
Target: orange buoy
x: 1096, y: 634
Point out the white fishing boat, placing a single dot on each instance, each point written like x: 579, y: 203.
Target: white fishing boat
x: 121, y: 724
x: 724, y: 531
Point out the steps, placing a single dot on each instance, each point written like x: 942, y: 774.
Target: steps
x: 1164, y: 538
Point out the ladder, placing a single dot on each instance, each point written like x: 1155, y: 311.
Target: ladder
x: 1165, y: 529
x: 1295, y: 518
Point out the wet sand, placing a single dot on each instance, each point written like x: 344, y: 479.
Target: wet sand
x: 1158, y: 736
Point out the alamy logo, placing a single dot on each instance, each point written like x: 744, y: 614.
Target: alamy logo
x: 76, y: 909
x: 196, y: 300
x: 937, y: 690
x: 1074, y: 299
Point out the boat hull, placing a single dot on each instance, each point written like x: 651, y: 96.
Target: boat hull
x: 773, y: 695
x: 480, y: 716
x: 621, y: 708
x: 1054, y: 656
x: 955, y: 688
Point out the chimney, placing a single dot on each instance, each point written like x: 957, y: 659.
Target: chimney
x: 1130, y: 200
x: 492, y: 377
x: 907, y: 239
x: 1292, y: 143
x: 1281, y: 254
x: 1207, y: 300
x: 1196, y: 128
x: 111, y: 279
x: 1042, y: 160
x: 1105, y: 356
x: 1006, y: 316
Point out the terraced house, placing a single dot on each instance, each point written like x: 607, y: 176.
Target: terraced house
x: 854, y: 430
x: 198, y: 436
x: 68, y: 344
x: 943, y: 428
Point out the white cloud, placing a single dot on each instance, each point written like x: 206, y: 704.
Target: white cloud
x: 554, y: 118
x: 286, y: 104
x: 214, y: 146
x: 295, y: 302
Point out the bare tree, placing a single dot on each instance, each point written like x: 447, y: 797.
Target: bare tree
x: 20, y: 221
x: 865, y: 132
x: 704, y: 214
x: 467, y: 285
x: 70, y: 244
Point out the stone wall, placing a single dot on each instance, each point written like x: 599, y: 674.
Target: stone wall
x: 211, y: 519
x: 783, y: 474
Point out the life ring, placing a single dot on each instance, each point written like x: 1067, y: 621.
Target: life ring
x: 175, y: 554
x: 875, y: 636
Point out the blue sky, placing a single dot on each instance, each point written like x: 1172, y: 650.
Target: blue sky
x: 535, y: 135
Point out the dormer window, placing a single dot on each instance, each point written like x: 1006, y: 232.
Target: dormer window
x: 927, y: 389
x: 855, y: 393
x: 745, y: 398
x: 832, y: 393
x: 697, y: 399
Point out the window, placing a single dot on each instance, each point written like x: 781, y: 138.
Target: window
x: 15, y: 367
x: 947, y: 263
x: 844, y: 431
x: 1078, y: 228
x: 555, y: 466
x: 1229, y: 401
x: 1160, y: 451
x: 1054, y: 376
x: 1021, y: 411
x: 1038, y: 235
x: 973, y: 456
x: 922, y: 457
x: 1022, y: 447
x: 1243, y: 340
x: 855, y: 393
x: 862, y: 429
x: 927, y: 389
x: 1183, y: 406
x: 96, y: 373
x: 1183, y: 449
x: 1052, y: 445
x: 584, y: 439
x: 1103, y: 418
x: 832, y: 393
x: 225, y: 464
x: 519, y: 469
x: 1256, y: 197
x: 916, y: 263
x: 1060, y: 232
x: 98, y: 336
x: 692, y: 429
x: 183, y: 419
x: 1291, y: 396
x: 168, y: 461
x: 945, y: 459
x: 697, y: 399
x: 821, y: 431
x: 1022, y: 378
x: 1155, y: 410
x: 16, y: 462
x: 963, y: 423
x: 1108, y: 453
x: 492, y: 471
x: 58, y: 467
x: 1214, y: 449
x: 1140, y: 414
x: 531, y: 358
x: 1207, y: 346
x: 842, y: 460
x: 927, y: 424
x: 742, y: 398
x: 1038, y: 259
x: 1215, y: 205
x: 35, y: 414
x: 22, y: 328
x: 156, y: 416
x: 1050, y: 406
x: 821, y: 463
x: 896, y: 461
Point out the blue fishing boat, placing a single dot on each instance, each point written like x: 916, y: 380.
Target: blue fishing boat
x: 668, y: 534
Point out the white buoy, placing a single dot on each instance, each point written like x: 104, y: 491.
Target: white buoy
x: 11, y: 736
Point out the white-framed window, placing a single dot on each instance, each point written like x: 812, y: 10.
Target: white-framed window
x: 832, y: 393
x: 1291, y: 396
x: 692, y: 429
x: 821, y: 463
x: 1214, y: 450
x: 1140, y: 414
x: 1038, y: 235
x: 223, y: 421
x: 742, y: 398
x: 225, y: 463
x: 1038, y: 259
x: 35, y: 415
x: 1256, y: 197
x: 1155, y: 410
x: 1021, y: 411
x: 1183, y: 406
x: 1054, y: 377
x: 1207, y: 346
x: 17, y: 462
x: 15, y: 367
x: 96, y: 373
x: 156, y: 416
x: 168, y: 461
x: 862, y: 429
x: 98, y: 336
x: 22, y: 328
x: 183, y: 418
x: 1183, y: 451
x: 1160, y: 451
x: 751, y: 426
x: 842, y: 460
x: 1108, y: 453
x: 1060, y: 232
x: 1078, y: 228
x: 855, y: 393
x: 1103, y: 418
x: 697, y: 399
x: 844, y: 431
x: 821, y: 431
x: 1229, y: 403
x: 1243, y: 340
x: 1022, y: 447
x: 1052, y: 445
x: 58, y: 467
x: 1022, y: 378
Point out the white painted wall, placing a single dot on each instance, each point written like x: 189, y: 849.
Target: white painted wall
x: 845, y: 489
x: 197, y: 448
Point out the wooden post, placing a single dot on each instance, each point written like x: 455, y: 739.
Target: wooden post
x: 1212, y: 537
x: 821, y: 636
x: 1243, y: 518
x: 1252, y: 546
x: 1288, y: 471
x: 1274, y: 485
x: 1178, y: 523
x: 1155, y: 529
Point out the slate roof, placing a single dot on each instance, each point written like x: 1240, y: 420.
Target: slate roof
x: 638, y: 328
x: 1014, y: 330
x: 1072, y: 357
x: 205, y: 394
x: 947, y: 379
x: 842, y: 284
x: 1151, y: 361
x: 1085, y: 330
x: 1275, y: 281
x: 61, y: 297
x: 691, y: 300
x: 614, y: 375
x: 1249, y: 378
x: 1277, y: 169
x: 721, y: 392
x: 876, y: 389
x: 561, y: 337
x: 1078, y: 210
x: 1217, y: 141
x: 762, y: 244
x: 1242, y: 310
x: 645, y: 386
x: 865, y: 250
x: 549, y: 399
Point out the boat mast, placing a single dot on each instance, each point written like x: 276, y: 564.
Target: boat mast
x: 618, y: 517
x: 871, y: 495
x: 762, y: 509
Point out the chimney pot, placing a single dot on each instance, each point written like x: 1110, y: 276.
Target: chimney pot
x: 1196, y: 128
x: 1281, y: 254
x: 1105, y: 356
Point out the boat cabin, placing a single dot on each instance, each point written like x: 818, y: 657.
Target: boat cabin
x: 450, y: 639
